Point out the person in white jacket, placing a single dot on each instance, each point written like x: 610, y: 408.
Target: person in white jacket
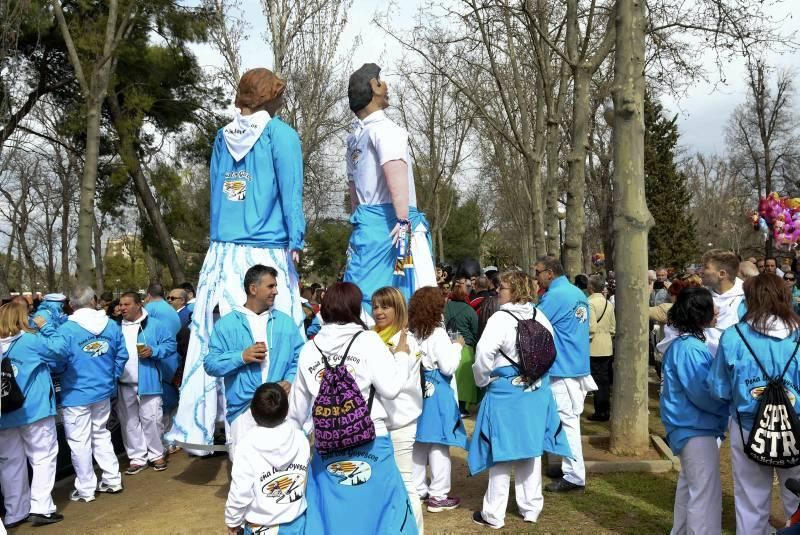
x: 719, y: 275
x: 517, y: 420
x: 270, y: 470
x: 439, y: 426
x: 391, y: 319
x: 359, y: 489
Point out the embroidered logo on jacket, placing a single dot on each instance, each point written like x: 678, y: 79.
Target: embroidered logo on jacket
x: 285, y: 487
x: 96, y: 348
x: 757, y: 391
x: 430, y: 388
x: 350, y: 473
x: 581, y: 314
x: 235, y: 185
x: 355, y: 156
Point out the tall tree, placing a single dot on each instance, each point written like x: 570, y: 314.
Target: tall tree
x: 632, y: 220
x: 672, y: 240
x: 92, y: 38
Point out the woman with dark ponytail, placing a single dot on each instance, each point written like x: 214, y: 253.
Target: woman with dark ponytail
x: 692, y: 418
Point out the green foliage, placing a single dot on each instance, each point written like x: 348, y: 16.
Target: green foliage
x: 122, y: 273
x: 672, y: 240
x: 326, y: 253
x: 462, y: 234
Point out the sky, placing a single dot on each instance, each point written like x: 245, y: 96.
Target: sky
x: 703, y: 111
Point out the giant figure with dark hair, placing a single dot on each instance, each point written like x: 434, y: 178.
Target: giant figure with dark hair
x: 390, y: 244
x: 256, y: 218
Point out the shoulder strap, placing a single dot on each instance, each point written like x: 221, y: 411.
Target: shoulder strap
x: 325, y: 361
x: 761, y: 366
x: 603, y: 313
x: 516, y: 365
x: 515, y: 316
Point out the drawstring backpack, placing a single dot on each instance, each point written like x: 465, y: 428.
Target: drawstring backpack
x: 341, y: 416
x: 775, y: 437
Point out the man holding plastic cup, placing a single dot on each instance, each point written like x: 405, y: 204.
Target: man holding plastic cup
x: 252, y: 345
x: 152, y: 354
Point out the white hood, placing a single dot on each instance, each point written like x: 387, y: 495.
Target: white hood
x: 243, y: 132
x: 94, y: 321
x: 277, y: 445
x: 727, y: 305
x: 777, y: 329
x: 332, y: 339
x: 670, y: 334
x: 6, y: 342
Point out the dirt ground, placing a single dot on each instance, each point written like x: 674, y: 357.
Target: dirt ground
x: 189, y: 497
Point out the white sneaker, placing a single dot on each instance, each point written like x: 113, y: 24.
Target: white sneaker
x: 77, y: 497
x: 109, y: 489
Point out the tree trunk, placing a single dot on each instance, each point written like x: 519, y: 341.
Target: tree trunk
x: 99, y: 273
x: 632, y: 221
x: 66, y: 201
x: 576, y: 185
x: 130, y: 156
x: 88, y: 188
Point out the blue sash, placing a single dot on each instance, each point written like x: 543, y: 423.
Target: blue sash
x: 440, y: 421
x: 295, y: 527
x: 515, y: 422
x: 357, y: 491
x: 371, y: 256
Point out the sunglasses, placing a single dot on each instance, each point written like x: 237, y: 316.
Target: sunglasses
x: 540, y: 272
x: 788, y: 278
x: 171, y: 298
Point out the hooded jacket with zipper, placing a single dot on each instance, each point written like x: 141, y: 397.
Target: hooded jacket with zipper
x: 731, y: 308
x: 231, y: 336
x: 95, y: 358
x: 33, y: 358
x: 161, y: 366
x: 269, y: 458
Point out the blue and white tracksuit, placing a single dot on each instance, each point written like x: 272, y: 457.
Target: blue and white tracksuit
x: 694, y: 422
x: 95, y: 359
x: 567, y: 308
x: 736, y: 379
x: 28, y: 434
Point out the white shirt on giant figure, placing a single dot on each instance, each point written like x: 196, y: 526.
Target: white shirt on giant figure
x: 373, y: 142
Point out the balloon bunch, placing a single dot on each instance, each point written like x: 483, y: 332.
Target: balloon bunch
x: 598, y: 259
x: 779, y: 216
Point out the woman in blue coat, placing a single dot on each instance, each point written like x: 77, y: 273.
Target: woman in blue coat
x: 693, y: 419
x: 28, y: 434
x: 770, y: 326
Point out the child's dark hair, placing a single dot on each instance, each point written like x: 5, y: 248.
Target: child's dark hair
x: 270, y: 405
x: 692, y: 312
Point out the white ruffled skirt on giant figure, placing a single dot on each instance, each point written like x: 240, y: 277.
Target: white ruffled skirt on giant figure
x: 221, y: 282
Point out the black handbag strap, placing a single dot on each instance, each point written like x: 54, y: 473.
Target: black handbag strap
x: 603, y: 313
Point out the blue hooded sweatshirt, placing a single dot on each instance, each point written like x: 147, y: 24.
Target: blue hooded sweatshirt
x: 567, y: 308
x: 231, y: 336
x: 736, y: 378
x: 258, y: 200
x: 33, y: 358
x: 687, y: 407
x: 95, y: 358
x: 161, y: 366
x: 163, y: 312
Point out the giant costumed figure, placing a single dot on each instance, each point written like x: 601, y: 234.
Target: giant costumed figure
x: 256, y: 218
x: 390, y: 244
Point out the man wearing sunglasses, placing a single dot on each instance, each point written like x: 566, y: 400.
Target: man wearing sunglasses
x: 790, y: 278
x: 567, y: 308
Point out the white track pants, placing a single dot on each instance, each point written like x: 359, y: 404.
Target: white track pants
x: 140, y: 417
x: 752, y: 488
x: 238, y: 429
x: 527, y: 487
x: 403, y: 441
x: 698, y: 497
x: 438, y: 457
x: 569, y: 396
x: 87, y: 436
x: 36, y: 444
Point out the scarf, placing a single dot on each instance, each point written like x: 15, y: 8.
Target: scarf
x: 243, y: 132
x: 386, y: 334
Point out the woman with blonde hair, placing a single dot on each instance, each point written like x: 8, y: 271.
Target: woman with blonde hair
x: 28, y: 434
x: 391, y: 321
x: 517, y: 420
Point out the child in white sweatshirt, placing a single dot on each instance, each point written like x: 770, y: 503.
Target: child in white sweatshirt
x: 270, y: 468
